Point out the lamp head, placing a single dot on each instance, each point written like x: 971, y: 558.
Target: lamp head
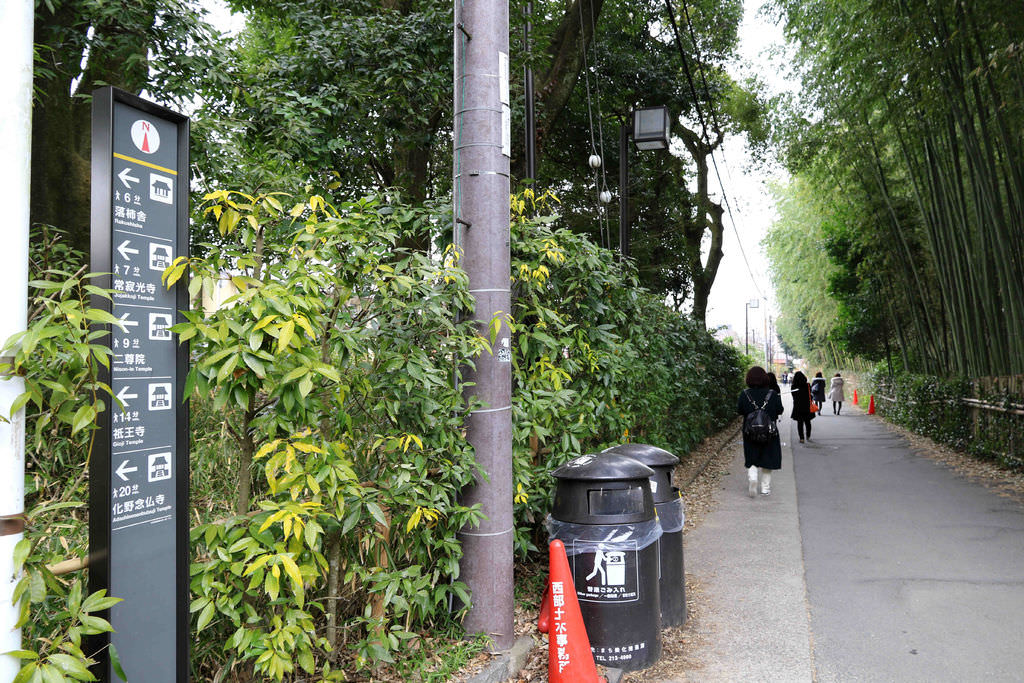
x: 651, y: 128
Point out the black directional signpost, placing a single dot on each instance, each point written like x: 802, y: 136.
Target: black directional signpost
x: 138, y: 476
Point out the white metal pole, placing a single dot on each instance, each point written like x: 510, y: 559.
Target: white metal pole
x: 16, y: 16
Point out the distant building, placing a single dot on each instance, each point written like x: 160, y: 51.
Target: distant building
x: 729, y: 336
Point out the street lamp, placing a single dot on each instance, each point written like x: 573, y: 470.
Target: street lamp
x: 753, y: 303
x: 650, y: 130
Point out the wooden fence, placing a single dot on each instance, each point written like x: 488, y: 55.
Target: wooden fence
x: 991, y: 416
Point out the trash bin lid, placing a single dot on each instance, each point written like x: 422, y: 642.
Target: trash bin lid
x: 661, y: 461
x: 610, y: 467
x: 606, y: 489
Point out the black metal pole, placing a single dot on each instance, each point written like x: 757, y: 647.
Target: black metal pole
x: 624, y: 190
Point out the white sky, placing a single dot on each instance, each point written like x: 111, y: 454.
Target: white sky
x: 752, y: 208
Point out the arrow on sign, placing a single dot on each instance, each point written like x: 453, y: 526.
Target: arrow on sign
x: 125, y: 322
x: 125, y: 178
x: 125, y: 251
x: 121, y: 470
x: 123, y: 396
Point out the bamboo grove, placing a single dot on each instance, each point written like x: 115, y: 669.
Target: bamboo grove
x: 907, y: 161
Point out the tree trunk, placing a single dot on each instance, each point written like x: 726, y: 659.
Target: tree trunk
x: 708, y: 219
x: 62, y: 123
x: 554, y: 87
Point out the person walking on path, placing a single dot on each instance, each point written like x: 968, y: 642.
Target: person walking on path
x: 773, y: 384
x: 801, y: 405
x: 836, y: 394
x: 818, y: 390
x: 760, y: 458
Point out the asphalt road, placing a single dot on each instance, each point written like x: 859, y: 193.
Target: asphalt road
x: 867, y: 563
x: 913, y: 572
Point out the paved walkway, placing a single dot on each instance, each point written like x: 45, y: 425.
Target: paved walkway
x: 747, y: 555
x: 867, y: 563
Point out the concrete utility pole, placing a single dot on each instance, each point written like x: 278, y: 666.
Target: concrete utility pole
x: 481, y: 204
x: 16, y: 16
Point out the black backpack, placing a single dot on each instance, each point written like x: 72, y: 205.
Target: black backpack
x: 758, y: 425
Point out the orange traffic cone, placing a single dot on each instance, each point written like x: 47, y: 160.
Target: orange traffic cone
x: 854, y: 397
x: 871, y: 405
x: 569, y: 657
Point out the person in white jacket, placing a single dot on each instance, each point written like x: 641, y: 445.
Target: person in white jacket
x: 836, y: 394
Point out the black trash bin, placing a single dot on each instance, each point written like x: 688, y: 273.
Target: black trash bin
x: 604, y: 514
x: 668, y: 501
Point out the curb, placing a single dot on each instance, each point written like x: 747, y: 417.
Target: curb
x: 507, y: 664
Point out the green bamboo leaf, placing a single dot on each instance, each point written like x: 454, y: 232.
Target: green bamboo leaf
x: 84, y: 417
x: 28, y: 674
x: 22, y: 654
x: 205, y: 617
x: 72, y: 666
x: 99, y: 601
x: 21, y: 550
x: 115, y: 663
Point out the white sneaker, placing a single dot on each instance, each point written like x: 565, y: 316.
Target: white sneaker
x: 751, y: 487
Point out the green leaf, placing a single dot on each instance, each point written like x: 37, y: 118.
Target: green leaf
x: 305, y: 385
x: 28, y: 674
x: 74, y: 600
x: 378, y: 515
x: 21, y: 550
x: 22, y: 654
x: 72, y: 666
x: 292, y: 570
x: 84, y: 417
x: 287, y: 332
x: 98, y: 601
x: 205, y: 617
x: 115, y: 663
x: 272, y: 586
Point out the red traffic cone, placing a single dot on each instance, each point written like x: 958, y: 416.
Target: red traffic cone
x: 871, y: 405
x: 854, y: 397
x: 544, y: 620
x: 569, y: 657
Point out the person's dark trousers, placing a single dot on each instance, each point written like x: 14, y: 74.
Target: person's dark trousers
x: 801, y: 425
x: 837, y: 407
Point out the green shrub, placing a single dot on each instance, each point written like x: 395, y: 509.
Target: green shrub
x: 59, y: 357
x: 934, y: 407
x: 598, y: 362
x: 328, y: 446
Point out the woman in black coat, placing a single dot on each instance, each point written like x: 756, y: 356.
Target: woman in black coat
x: 760, y: 458
x: 818, y: 390
x: 801, y: 405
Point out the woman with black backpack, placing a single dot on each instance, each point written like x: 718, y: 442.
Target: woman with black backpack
x: 762, y: 451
